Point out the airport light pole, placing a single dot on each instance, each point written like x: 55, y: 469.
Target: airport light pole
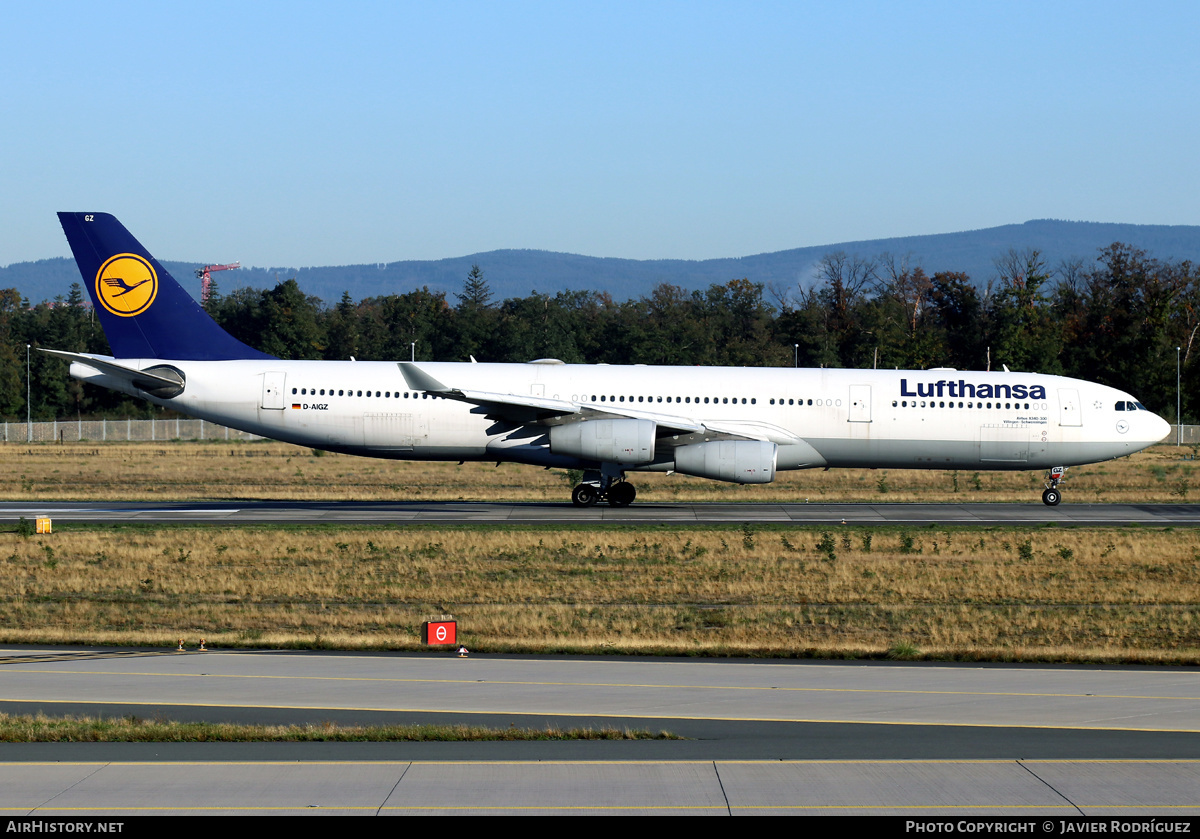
x: 796, y: 355
x: 414, y: 350
x: 29, y: 391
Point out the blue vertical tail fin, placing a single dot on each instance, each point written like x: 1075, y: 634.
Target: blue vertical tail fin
x: 145, y: 313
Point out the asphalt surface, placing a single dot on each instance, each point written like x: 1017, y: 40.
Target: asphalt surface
x: 779, y: 737
x: 425, y: 512
x: 915, y: 740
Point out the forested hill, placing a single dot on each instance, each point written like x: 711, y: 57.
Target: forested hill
x: 1130, y: 320
x: 517, y: 273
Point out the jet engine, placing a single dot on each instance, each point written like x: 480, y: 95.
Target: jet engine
x: 624, y: 441
x: 739, y: 461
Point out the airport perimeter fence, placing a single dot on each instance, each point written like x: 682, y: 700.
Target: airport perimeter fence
x: 119, y: 431
x: 146, y: 431
x: 1185, y: 435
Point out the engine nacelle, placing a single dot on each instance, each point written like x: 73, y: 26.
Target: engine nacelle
x: 739, y: 461
x: 624, y: 441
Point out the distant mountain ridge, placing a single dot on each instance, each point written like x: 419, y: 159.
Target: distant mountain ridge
x: 518, y: 273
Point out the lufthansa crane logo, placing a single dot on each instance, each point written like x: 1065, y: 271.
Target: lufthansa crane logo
x: 126, y: 285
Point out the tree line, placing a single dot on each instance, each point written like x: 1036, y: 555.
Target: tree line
x: 1117, y: 321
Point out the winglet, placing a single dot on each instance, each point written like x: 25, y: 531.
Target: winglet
x: 418, y: 379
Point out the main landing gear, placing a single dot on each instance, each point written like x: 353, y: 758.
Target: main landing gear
x: 1052, y: 495
x: 596, y: 487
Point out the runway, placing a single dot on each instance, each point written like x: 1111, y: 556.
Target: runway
x: 425, y: 512
x: 765, y: 737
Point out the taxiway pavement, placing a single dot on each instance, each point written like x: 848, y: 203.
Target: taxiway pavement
x: 765, y: 737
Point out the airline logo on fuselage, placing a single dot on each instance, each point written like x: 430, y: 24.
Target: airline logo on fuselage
x: 962, y: 389
x: 126, y: 285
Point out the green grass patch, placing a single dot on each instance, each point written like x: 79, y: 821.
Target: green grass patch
x: 39, y: 728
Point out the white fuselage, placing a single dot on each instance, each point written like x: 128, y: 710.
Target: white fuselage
x: 817, y: 417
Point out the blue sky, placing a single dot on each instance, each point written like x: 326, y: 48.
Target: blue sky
x: 313, y: 133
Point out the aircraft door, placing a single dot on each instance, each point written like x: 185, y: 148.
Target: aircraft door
x: 860, y: 403
x: 273, y: 390
x: 1068, y: 407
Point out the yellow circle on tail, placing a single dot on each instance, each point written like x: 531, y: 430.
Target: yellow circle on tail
x: 126, y: 285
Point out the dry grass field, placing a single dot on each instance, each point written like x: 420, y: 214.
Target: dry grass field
x: 1052, y: 594
x: 192, y: 471
x: 1127, y: 594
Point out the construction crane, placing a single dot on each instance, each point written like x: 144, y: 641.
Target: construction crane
x: 206, y: 279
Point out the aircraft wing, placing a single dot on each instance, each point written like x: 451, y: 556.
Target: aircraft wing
x: 510, y: 406
x: 541, y: 410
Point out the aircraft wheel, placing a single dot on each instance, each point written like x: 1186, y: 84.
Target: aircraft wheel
x: 584, y: 495
x: 621, y: 494
x: 1051, y: 497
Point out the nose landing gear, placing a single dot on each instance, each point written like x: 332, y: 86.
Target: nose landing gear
x: 1052, y: 495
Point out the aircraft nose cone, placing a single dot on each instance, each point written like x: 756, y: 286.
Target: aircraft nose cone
x: 1159, y: 429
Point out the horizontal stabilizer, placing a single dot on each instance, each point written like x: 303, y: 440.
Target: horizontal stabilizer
x: 159, y: 380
